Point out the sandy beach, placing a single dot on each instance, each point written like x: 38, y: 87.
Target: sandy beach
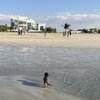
x: 73, y: 64
x: 52, y: 40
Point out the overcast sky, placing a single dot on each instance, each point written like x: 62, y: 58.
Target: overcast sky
x: 78, y: 13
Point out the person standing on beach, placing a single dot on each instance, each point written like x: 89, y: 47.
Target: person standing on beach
x: 45, y: 80
x: 18, y: 31
x: 45, y: 32
x: 21, y: 31
x: 24, y: 30
x: 70, y: 33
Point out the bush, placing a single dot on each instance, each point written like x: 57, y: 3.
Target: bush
x: 51, y: 30
x: 4, y: 28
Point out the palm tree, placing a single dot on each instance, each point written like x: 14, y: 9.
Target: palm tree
x: 66, y: 26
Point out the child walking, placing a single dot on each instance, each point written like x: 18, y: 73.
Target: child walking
x: 45, y: 80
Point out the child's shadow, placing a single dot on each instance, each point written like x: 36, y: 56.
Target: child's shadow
x: 29, y: 83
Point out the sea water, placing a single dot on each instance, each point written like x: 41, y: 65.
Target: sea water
x: 74, y: 71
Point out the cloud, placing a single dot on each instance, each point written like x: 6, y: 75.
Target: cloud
x: 74, y: 16
x: 5, y: 19
x: 8, y: 17
x: 77, y: 20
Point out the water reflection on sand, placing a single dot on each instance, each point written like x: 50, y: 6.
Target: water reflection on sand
x: 74, y: 71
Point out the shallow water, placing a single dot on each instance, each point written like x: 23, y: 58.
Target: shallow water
x: 74, y: 71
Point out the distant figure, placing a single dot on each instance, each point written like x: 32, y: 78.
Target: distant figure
x: 18, y: 31
x: 64, y: 33
x: 24, y: 30
x: 21, y: 31
x: 45, y: 33
x: 70, y: 33
x: 45, y: 80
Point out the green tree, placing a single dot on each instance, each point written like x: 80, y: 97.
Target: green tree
x: 4, y: 28
x: 66, y: 26
x: 51, y: 30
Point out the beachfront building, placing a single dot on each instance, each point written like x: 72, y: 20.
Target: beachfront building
x: 22, y: 22
x: 26, y: 24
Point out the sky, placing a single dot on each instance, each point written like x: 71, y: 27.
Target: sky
x: 78, y: 13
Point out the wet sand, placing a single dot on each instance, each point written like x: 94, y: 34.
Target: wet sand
x: 18, y: 88
x: 73, y: 64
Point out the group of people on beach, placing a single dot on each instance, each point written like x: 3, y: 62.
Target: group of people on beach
x: 67, y: 33
x: 21, y: 31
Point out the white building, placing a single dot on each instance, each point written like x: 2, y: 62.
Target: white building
x: 26, y: 23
